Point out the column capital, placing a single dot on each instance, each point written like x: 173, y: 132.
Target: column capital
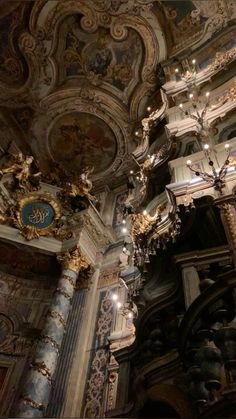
x: 73, y: 259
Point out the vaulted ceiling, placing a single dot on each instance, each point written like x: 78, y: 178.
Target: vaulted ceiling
x: 77, y: 76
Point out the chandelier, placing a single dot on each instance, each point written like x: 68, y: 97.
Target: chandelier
x: 197, y: 112
x: 217, y: 176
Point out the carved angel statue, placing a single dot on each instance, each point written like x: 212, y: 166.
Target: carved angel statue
x: 82, y: 186
x: 22, y: 170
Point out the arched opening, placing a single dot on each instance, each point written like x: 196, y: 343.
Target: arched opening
x: 158, y: 409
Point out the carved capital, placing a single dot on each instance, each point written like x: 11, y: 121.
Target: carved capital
x: 73, y: 260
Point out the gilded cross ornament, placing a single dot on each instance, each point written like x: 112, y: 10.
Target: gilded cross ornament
x: 73, y: 259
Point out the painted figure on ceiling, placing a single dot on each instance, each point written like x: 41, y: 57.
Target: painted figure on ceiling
x: 79, y: 140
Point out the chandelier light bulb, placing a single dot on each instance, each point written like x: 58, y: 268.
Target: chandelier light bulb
x: 130, y: 315
x: 207, y: 94
x: 189, y: 162
x: 206, y: 146
x: 144, y: 212
x: 148, y: 108
x: 176, y: 70
x: 191, y: 96
x: 227, y: 146
x: 194, y: 61
x: 118, y: 304
x: 181, y: 105
x: 114, y: 297
x: 136, y: 132
x: 123, y: 221
x: 124, y: 230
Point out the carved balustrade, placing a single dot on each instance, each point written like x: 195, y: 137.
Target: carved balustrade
x: 207, y: 343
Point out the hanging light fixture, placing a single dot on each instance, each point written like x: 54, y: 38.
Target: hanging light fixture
x: 216, y: 177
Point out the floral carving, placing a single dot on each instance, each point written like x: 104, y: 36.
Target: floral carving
x: 95, y: 386
x: 229, y: 96
x: 222, y: 59
x: 73, y: 259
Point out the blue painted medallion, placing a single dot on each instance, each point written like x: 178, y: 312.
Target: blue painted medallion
x: 38, y: 213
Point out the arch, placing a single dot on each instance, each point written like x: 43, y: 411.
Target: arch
x: 173, y: 397
x: 228, y: 133
x: 159, y: 409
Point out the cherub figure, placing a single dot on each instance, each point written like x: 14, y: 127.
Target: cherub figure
x: 23, y: 175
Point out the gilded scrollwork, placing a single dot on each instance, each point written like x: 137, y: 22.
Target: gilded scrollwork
x: 229, y: 96
x: 81, y: 186
x: 73, y: 260
x: 222, y: 59
x: 36, y: 215
x: 142, y: 223
x: 24, y: 174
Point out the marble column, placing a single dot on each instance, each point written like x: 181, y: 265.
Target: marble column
x: 37, y: 385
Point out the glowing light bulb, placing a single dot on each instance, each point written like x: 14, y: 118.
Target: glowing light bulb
x: 227, y: 146
x: 194, y: 61
x: 149, y: 108
x: 114, y: 297
x: 176, y: 70
x: 136, y: 132
x: 207, y: 94
x: 118, y: 304
x: 124, y: 230
x: 130, y: 315
x: 144, y: 212
x: 189, y: 162
x: 123, y: 221
x: 206, y: 146
x: 181, y: 105
x: 191, y: 96
x: 124, y: 249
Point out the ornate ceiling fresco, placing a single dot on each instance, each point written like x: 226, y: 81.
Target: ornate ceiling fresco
x: 76, y: 77
x: 80, y: 139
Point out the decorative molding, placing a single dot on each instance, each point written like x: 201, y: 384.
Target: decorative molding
x: 37, y: 217
x: 100, y: 358
x: 109, y: 277
x: 73, y: 260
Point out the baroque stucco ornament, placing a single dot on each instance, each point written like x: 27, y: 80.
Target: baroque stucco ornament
x: 73, y: 260
x: 36, y: 215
